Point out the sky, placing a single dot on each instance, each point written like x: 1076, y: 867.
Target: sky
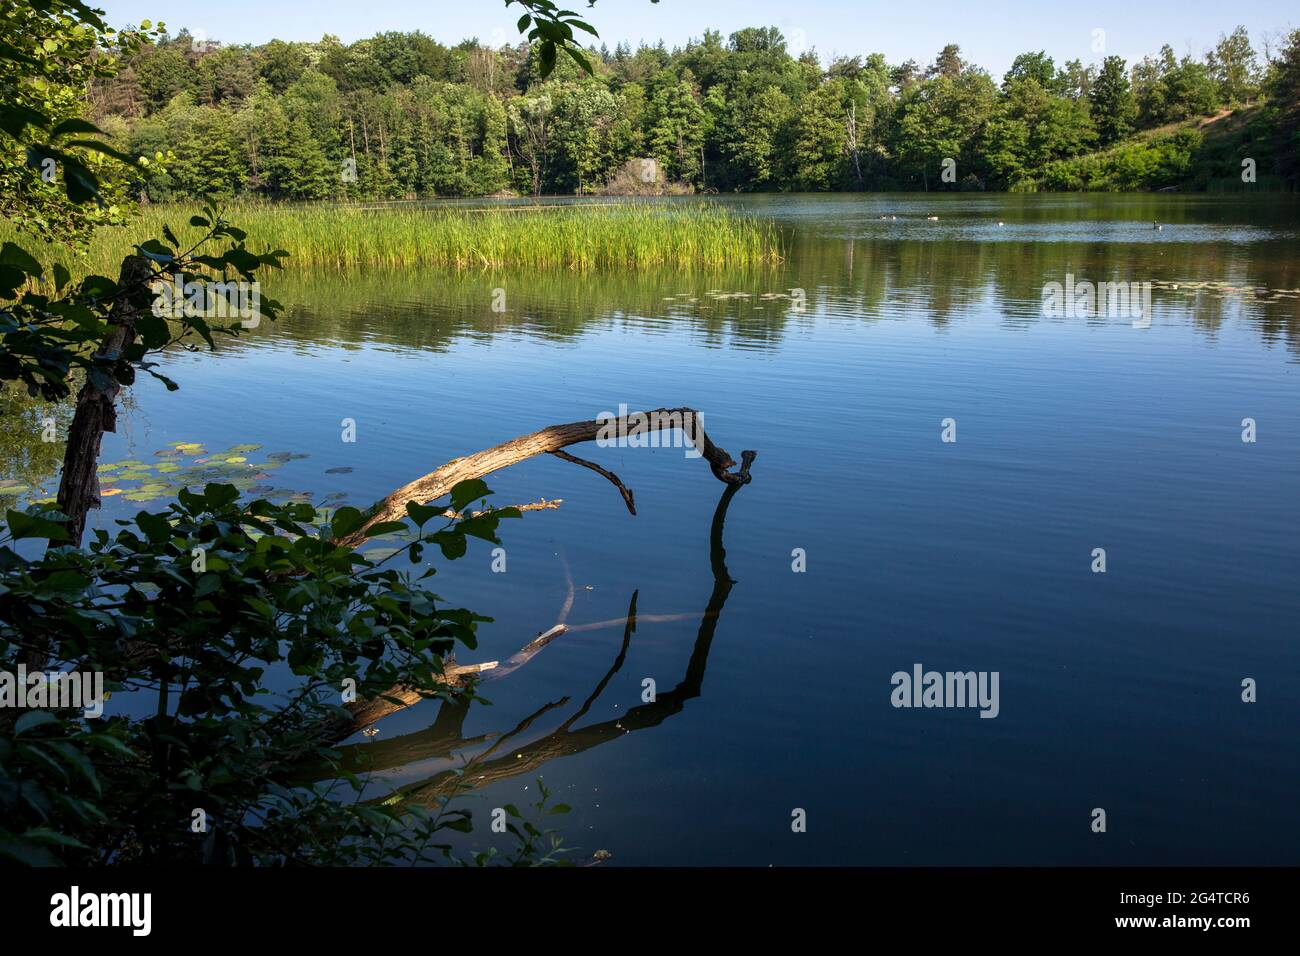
x: 989, y: 32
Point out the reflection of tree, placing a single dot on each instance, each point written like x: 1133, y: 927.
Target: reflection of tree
x: 506, y: 756
x: 863, y: 279
x: 25, y: 458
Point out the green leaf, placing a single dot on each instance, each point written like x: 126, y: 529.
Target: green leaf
x: 33, y: 719
x: 465, y: 492
x: 31, y: 526
x: 79, y: 761
x: 95, y: 146
x: 453, y: 545
x: 346, y: 520
x: 421, y: 514
x: 579, y: 58
x: 15, y: 118
x: 19, y: 258
x: 28, y: 854
x: 79, y: 182
x: 44, y: 835
x: 155, y: 526
x: 220, y: 496
x: 547, y: 59
x: 75, y: 125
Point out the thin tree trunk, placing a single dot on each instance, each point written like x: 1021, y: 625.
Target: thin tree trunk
x: 97, y: 410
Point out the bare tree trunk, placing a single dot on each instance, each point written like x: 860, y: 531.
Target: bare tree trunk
x: 853, y: 141
x: 97, y: 410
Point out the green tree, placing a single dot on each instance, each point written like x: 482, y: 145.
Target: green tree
x: 1283, y: 88
x: 941, y: 118
x: 821, y: 138
x: 50, y: 159
x: 281, y: 63
x: 752, y: 147
x: 675, y: 135
x: 1111, y: 97
x: 1234, y: 67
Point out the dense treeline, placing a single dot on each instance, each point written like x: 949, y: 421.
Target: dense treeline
x: 401, y: 115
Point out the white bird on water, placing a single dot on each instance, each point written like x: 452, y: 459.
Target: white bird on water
x: 1156, y: 226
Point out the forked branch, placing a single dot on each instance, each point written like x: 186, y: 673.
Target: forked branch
x: 436, y: 484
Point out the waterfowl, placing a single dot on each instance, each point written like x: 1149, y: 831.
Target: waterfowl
x: 932, y: 218
x: 1156, y: 226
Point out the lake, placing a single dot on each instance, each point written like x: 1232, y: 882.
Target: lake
x: 1120, y: 690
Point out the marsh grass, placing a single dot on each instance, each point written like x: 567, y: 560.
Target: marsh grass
x: 628, y: 236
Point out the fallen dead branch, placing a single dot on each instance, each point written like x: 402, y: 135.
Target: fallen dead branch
x: 438, y: 483
x: 548, y: 440
x: 542, y: 505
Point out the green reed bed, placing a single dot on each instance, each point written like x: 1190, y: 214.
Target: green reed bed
x: 580, y: 237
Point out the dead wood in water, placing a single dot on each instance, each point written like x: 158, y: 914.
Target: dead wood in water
x: 506, y: 758
x: 548, y: 440
x: 438, y: 483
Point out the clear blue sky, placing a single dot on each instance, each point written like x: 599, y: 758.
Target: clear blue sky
x: 990, y: 33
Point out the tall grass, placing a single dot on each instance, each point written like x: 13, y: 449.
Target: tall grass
x: 577, y: 237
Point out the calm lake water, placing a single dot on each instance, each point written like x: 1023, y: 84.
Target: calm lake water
x: 1119, y: 690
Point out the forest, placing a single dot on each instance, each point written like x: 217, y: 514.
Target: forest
x: 400, y: 116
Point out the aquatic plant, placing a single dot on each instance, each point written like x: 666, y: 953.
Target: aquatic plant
x: 578, y: 237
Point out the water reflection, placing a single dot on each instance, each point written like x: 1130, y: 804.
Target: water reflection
x: 514, y: 753
x: 865, y: 280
